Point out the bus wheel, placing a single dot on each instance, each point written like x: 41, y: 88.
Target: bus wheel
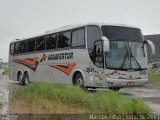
x: 19, y: 78
x: 79, y: 81
x: 26, y: 78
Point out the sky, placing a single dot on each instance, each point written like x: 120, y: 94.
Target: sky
x: 26, y: 18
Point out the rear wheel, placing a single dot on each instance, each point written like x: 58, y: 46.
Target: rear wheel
x: 26, y: 78
x: 19, y: 78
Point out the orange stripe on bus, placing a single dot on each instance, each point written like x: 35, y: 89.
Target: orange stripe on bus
x: 64, y: 69
x: 30, y: 62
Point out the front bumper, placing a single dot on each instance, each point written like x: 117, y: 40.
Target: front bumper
x: 126, y: 83
x: 118, y: 83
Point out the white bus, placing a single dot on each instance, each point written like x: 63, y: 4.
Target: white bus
x: 90, y: 56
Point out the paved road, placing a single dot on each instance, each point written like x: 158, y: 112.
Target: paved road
x: 151, y: 96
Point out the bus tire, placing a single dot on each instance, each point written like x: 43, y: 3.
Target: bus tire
x: 78, y: 80
x: 26, y: 78
x: 19, y: 78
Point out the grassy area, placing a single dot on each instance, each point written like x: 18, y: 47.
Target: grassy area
x: 55, y: 98
x: 154, y: 79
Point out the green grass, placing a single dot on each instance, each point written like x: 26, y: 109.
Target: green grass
x: 154, y: 79
x: 45, y: 95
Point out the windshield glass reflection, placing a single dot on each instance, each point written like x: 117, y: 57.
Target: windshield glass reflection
x: 126, y: 55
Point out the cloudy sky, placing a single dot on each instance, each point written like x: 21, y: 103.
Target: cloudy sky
x: 24, y: 18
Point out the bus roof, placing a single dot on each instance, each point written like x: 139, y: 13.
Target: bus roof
x: 68, y: 27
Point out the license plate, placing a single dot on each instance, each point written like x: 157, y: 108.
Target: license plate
x: 130, y: 83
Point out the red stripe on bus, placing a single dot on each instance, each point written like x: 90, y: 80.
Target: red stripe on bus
x: 31, y: 63
x: 65, y: 69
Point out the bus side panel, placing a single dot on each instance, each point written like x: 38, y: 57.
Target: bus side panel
x: 12, y: 72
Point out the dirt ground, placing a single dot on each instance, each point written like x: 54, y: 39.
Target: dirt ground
x: 151, y: 96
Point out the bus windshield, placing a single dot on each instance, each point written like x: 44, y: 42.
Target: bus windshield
x: 127, y: 51
x: 126, y: 56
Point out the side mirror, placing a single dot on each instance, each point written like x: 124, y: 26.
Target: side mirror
x: 105, y: 44
x: 152, y: 46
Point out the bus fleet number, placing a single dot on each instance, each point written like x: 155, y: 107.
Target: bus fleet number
x: 88, y: 70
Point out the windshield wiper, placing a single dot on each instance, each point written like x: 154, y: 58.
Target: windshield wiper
x: 125, y: 58
x: 129, y: 53
x: 133, y: 57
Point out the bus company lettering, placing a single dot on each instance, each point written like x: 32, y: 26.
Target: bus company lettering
x: 60, y: 56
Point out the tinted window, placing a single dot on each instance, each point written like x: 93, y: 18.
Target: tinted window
x: 64, y: 39
x: 22, y: 47
x: 93, y: 34
x: 78, y: 38
x: 74, y: 38
x: 122, y: 33
x: 51, y: 41
x: 12, y: 48
x: 16, y: 48
x: 98, y: 54
x: 81, y: 37
x: 40, y: 44
x: 31, y: 45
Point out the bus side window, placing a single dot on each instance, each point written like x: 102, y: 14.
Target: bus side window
x: 78, y: 38
x: 40, y: 44
x: 81, y: 37
x: 12, y: 51
x: 74, y: 38
x: 22, y: 47
x: 64, y: 39
x: 16, y: 48
x: 51, y: 41
x: 93, y: 34
x: 31, y: 45
x: 98, y: 54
